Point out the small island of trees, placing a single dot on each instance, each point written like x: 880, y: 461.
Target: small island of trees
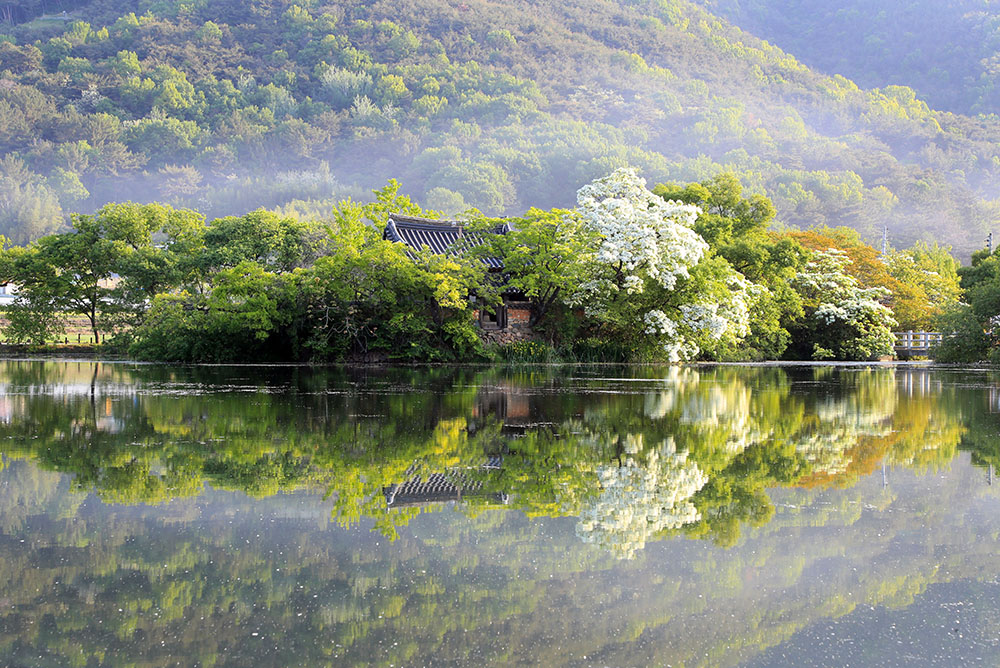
x: 676, y: 273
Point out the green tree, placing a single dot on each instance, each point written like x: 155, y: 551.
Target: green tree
x: 542, y: 253
x: 238, y: 318
x: 67, y: 183
x: 106, y: 267
x: 34, y: 323
x: 736, y: 229
x: 177, y: 183
x: 973, y: 327
x: 931, y: 276
x: 263, y: 237
x: 126, y: 64
x: 370, y: 296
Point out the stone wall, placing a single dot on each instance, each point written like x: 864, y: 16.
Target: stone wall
x: 505, y: 336
x: 518, y: 317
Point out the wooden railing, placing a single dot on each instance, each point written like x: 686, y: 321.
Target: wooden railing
x: 916, y: 343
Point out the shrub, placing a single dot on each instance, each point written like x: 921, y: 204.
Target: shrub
x: 526, y: 352
x: 965, y: 339
x: 594, y: 349
x: 32, y: 325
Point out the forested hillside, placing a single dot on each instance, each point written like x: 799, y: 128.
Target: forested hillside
x: 946, y: 51
x: 227, y: 105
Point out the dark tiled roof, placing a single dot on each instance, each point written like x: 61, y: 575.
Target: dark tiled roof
x: 440, y: 236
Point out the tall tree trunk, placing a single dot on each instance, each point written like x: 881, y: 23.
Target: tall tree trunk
x: 93, y: 320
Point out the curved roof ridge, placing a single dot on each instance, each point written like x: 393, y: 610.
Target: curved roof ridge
x: 398, y: 218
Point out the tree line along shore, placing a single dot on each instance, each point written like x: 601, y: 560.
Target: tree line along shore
x: 679, y: 272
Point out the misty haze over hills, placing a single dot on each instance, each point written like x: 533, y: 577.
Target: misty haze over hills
x: 225, y: 106
x: 946, y: 51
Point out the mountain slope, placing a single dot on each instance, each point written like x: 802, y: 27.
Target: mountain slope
x: 947, y: 52
x: 226, y: 105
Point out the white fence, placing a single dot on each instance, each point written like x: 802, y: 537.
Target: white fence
x: 917, y: 342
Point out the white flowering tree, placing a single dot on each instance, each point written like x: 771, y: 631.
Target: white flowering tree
x: 843, y: 321
x: 650, y: 276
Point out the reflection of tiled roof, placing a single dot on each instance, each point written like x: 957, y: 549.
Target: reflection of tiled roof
x: 440, y: 236
x: 440, y: 487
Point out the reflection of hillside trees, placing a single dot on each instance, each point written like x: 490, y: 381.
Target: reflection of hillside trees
x: 191, y: 581
x: 188, y: 582
x: 680, y: 449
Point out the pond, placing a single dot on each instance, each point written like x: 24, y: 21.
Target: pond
x: 554, y: 516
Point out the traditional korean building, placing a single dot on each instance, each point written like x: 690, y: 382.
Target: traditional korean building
x: 511, y: 320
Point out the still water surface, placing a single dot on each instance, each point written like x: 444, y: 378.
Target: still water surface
x: 561, y: 516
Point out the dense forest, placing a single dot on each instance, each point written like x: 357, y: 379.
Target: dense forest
x: 226, y: 106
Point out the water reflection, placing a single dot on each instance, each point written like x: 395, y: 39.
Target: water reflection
x: 151, y: 516
x: 635, y: 459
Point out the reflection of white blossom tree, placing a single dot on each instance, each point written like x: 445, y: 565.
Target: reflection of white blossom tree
x: 710, y: 416
x: 648, y: 492
x: 840, y: 422
x: 724, y: 410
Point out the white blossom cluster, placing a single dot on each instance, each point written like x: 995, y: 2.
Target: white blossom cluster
x: 841, y: 302
x: 591, y: 295
x: 728, y: 318
x: 677, y: 346
x: 680, y: 349
x: 643, y: 246
x: 851, y: 310
x: 824, y: 278
x: 658, y: 323
x: 823, y: 275
x: 640, y: 231
x: 640, y: 498
x: 634, y: 285
x: 859, y: 313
